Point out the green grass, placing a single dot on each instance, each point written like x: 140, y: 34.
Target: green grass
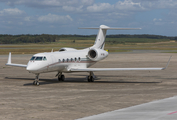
x: 31, y: 48
x: 134, y: 40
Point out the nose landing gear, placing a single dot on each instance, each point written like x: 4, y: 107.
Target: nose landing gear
x: 36, y: 81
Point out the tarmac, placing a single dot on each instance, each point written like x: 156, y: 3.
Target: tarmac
x: 165, y: 109
x: 76, y: 98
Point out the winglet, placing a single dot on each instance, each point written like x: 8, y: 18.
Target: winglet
x: 12, y: 64
x: 9, y: 59
x: 167, y: 63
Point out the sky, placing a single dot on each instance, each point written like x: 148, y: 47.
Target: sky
x: 157, y: 17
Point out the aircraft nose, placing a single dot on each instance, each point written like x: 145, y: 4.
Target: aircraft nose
x: 30, y: 67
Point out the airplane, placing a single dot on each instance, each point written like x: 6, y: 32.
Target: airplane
x: 68, y: 60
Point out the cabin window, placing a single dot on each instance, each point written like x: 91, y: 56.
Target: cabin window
x: 38, y: 59
x: 44, y: 59
x: 59, y: 60
x: 67, y: 60
x: 71, y: 60
x: 79, y: 59
x: 63, y: 60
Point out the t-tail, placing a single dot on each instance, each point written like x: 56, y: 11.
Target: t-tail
x: 100, y: 39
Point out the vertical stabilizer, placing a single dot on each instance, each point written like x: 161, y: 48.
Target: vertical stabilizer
x: 100, y: 39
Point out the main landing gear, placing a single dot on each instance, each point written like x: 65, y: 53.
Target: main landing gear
x: 61, y: 77
x: 36, y: 81
x: 91, y: 77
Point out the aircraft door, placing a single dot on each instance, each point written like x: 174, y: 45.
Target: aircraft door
x: 52, y: 65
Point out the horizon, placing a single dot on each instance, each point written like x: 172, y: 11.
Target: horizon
x: 88, y: 35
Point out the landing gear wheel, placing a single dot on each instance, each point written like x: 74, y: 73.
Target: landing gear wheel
x: 37, y: 83
x: 34, y: 83
x: 61, y: 78
x: 90, y: 78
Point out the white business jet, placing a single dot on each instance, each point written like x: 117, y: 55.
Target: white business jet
x: 71, y: 60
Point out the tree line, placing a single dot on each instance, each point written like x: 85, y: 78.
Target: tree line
x: 44, y: 38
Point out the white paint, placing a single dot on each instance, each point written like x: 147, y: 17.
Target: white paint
x: 72, y: 60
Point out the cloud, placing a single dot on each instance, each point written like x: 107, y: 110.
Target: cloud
x: 11, y: 11
x: 48, y: 3
x: 73, y: 9
x: 121, y: 4
x: 34, y: 13
x: 129, y: 5
x: 159, y: 21
x: 35, y: 3
x: 100, y: 7
x: 54, y: 18
x: 155, y: 4
x: 155, y: 19
x: 87, y: 2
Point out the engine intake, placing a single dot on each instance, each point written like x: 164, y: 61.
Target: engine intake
x: 97, y: 54
x: 92, y: 53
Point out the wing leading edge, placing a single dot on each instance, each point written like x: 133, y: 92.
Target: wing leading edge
x: 117, y: 69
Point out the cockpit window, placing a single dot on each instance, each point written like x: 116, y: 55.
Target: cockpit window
x: 32, y: 58
x: 44, y: 59
x: 38, y: 59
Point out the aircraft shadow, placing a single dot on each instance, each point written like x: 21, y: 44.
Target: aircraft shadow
x: 116, y: 76
x: 77, y: 80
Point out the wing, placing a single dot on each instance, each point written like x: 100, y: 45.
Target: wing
x: 116, y: 69
x: 12, y: 64
x: 113, y: 69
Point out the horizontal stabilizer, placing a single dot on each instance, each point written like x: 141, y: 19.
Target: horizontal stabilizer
x: 110, y: 28
x: 114, y: 28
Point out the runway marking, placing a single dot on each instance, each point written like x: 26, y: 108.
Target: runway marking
x: 172, y: 113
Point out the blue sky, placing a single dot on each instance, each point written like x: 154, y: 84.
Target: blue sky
x: 157, y: 17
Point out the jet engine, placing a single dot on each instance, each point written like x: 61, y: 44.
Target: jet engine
x: 97, y: 54
x: 66, y: 49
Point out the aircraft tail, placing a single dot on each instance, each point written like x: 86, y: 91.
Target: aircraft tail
x: 100, y: 39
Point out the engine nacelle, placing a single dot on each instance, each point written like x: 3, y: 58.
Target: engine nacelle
x: 66, y: 49
x: 97, y: 54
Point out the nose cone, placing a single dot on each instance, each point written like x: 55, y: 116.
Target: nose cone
x: 31, y: 67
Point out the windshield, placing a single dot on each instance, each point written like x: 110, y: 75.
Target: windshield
x: 32, y: 58
x: 36, y: 58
